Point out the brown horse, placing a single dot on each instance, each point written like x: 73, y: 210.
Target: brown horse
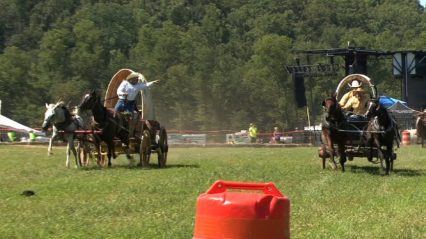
x: 333, y: 121
x: 421, y: 127
x: 382, y: 132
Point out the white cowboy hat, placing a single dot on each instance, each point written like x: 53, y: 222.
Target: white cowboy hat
x: 132, y: 75
x: 355, y: 84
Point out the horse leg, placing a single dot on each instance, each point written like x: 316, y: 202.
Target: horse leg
x: 342, y: 159
x: 342, y: 163
x: 390, y: 158
x: 100, y: 160
x: 323, y: 155
x: 381, y: 154
x: 72, y: 148
x: 110, y: 148
x: 97, y: 141
x: 67, y: 162
x: 87, y: 153
x: 49, y: 149
x: 384, y: 155
x: 80, y: 150
x: 387, y: 163
x: 331, y: 151
x: 126, y: 151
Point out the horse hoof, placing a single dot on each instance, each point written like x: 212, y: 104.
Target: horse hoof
x: 332, y: 164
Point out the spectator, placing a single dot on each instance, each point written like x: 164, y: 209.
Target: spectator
x: 276, y: 135
x: 253, y: 133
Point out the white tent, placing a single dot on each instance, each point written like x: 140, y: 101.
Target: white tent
x: 15, y: 126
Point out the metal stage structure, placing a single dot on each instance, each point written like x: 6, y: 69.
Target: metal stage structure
x: 409, y: 66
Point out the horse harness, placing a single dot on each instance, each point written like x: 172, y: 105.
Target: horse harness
x: 68, y: 120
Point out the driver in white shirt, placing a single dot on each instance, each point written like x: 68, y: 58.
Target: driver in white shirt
x: 128, y: 91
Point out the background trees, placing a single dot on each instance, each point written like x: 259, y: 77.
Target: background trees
x: 221, y: 62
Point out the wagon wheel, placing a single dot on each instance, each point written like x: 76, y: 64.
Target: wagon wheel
x: 163, y: 148
x: 145, y: 148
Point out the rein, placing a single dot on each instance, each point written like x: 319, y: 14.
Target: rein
x: 114, y: 97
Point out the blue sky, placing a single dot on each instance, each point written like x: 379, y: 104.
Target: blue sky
x: 422, y: 2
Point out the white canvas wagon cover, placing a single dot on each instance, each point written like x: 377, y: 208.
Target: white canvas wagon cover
x: 144, y: 103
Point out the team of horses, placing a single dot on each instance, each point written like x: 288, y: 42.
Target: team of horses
x: 92, y: 124
x: 379, y: 134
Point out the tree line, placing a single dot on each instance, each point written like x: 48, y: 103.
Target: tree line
x: 221, y: 63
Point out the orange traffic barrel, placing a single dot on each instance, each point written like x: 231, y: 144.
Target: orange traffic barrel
x: 405, y: 137
x: 241, y: 214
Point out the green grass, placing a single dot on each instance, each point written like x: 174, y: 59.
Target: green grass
x: 124, y: 202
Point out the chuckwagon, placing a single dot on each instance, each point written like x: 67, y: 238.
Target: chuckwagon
x: 371, y: 135
x: 140, y: 131
x: 148, y: 136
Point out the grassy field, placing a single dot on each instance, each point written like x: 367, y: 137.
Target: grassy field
x: 129, y: 202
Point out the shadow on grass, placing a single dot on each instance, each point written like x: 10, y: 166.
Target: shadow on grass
x: 375, y: 170
x: 136, y: 167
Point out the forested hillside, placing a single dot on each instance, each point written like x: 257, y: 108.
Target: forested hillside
x: 221, y: 62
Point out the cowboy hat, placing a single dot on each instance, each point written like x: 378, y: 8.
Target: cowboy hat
x: 355, y: 84
x: 132, y: 75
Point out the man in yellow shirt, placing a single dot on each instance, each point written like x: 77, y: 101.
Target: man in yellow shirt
x: 253, y: 133
x: 355, y: 100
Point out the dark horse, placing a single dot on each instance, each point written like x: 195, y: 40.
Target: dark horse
x: 382, y: 131
x: 110, y: 124
x: 333, y: 121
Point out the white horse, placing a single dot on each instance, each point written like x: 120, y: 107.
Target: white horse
x: 52, y: 138
x: 85, y: 119
x: 61, y: 119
